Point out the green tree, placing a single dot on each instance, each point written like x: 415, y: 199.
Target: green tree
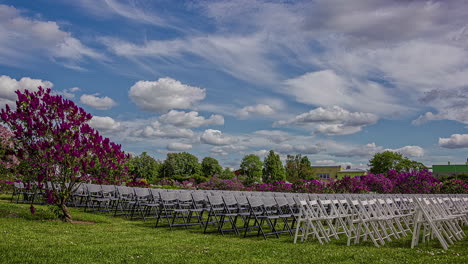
x: 227, y: 174
x: 251, y: 168
x: 298, y: 167
x: 144, y: 166
x: 389, y: 160
x: 181, y: 166
x: 273, y: 169
x: 210, y: 167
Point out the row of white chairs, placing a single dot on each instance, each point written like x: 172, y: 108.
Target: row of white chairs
x: 382, y: 218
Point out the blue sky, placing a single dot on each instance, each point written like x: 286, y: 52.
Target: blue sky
x: 337, y: 81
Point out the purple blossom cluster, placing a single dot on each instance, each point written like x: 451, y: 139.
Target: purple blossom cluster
x: 393, y: 182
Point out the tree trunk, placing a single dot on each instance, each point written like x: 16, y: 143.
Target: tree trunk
x: 66, y: 216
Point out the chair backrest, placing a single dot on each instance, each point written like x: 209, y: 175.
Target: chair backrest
x: 229, y: 200
x: 269, y: 201
x: 168, y: 196
x: 185, y: 197
x: 125, y: 192
x: 199, y: 197
x: 108, y: 188
x: 281, y: 201
x: 142, y: 193
x: 216, y: 201
x: 255, y: 202
x: 94, y: 189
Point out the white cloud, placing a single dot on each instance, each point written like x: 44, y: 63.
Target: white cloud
x: 104, y: 123
x: 326, y: 88
x: 164, y: 94
x: 101, y: 103
x: 337, y: 129
x: 24, y: 38
x: 410, y: 151
x: 302, y: 149
x: 259, y: 109
x: 226, y: 150
x: 360, y: 151
x: 69, y: 93
x: 454, y: 141
x: 176, y: 146
x: 137, y: 11
x: 157, y: 130
x: 332, y: 120
x: 8, y: 86
x: 325, y: 162
x: 333, y: 163
x: 241, y: 56
x: 216, y: 137
x: 451, y: 105
x: 368, y: 150
x: 275, y: 136
x: 261, y: 153
x: 190, y: 119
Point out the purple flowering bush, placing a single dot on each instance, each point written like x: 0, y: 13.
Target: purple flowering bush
x: 349, y: 185
x: 414, y: 182
x: 393, y: 182
x: 6, y: 186
x: 377, y: 183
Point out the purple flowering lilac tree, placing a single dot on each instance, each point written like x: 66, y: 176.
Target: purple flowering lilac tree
x: 7, y: 160
x: 54, y: 142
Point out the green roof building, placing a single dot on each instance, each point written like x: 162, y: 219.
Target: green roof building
x: 449, y: 169
x: 335, y: 172
x: 326, y: 172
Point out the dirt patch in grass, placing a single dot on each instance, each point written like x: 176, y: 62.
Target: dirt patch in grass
x: 12, y: 216
x: 75, y: 222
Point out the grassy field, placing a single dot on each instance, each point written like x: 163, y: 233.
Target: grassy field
x: 26, y: 238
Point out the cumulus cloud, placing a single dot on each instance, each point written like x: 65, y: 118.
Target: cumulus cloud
x: 104, y: 123
x: 341, y: 90
x: 275, y: 136
x: 451, y: 105
x: 259, y: 109
x: 68, y: 93
x: 325, y: 162
x: 176, y: 146
x: 332, y: 120
x: 226, y: 150
x: 24, y: 38
x: 216, y: 137
x: 261, y: 153
x: 164, y: 94
x: 101, y: 103
x: 366, y: 151
x: 190, y: 119
x: 9, y: 85
x: 302, y: 149
x: 157, y: 130
x: 360, y: 151
x: 454, y: 141
x: 333, y: 163
x: 410, y: 151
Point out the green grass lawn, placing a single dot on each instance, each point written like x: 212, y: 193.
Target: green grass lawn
x: 26, y: 238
